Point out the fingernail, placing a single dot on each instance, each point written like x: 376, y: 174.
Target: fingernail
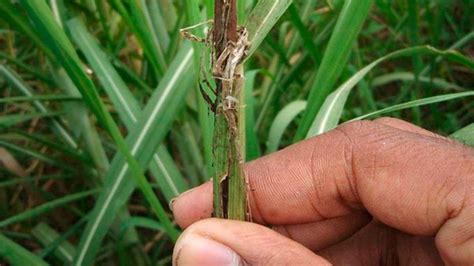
x: 173, y: 200
x: 187, y: 192
x: 198, y: 250
x: 170, y: 204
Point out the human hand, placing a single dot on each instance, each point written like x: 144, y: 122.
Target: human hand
x: 371, y: 192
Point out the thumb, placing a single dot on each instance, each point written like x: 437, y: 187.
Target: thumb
x: 226, y: 242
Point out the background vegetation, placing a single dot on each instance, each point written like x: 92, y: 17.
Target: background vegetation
x: 94, y: 91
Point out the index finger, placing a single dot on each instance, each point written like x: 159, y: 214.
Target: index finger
x: 410, y: 181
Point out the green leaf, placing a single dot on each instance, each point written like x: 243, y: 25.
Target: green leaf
x: 11, y: 15
x: 141, y: 26
x: 127, y: 107
x: 80, y: 123
x: 304, y: 33
x: 281, y: 123
x: 18, y: 83
x: 16, y: 254
x: 35, y: 154
x: 159, y: 24
x: 465, y: 135
x: 275, y: 88
x: 48, y: 206
x: 47, y: 235
x: 262, y: 19
x: 420, y: 102
x: 11, y: 120
x: 38, y: 74
x: 30, y: 179
x: 39, y: 98
x: 335, y: 57
x: 408, y: 76
x: 204, y: 115
x: 65, y: 54
x: 458, y: 44
x: 330, y: 113
x: 72, y: 153
x: 154, y: 123
x: 143, y: 222
x: 252, y: 146
x: 58, y: 243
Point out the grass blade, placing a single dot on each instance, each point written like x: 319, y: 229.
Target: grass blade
x: 463, y: 41
x: 16, y: 254
x: 140, y: 26
x: 465, y: 135
x: 13, y: 17
x: 159, y: 24
x: 127, y: 106
x: 281, y: 123
x: 409, y: 76
x: 304, y: 33
x: 30, y: 180
x: 252, y: 146
x: 143, y: 140
x: 420, y: 102
x: 39, y: 98
x: 337, y: 53
x: 38, y: 74
x: 47, y: 235
x: 11, y: 120
x: 61, y: 51
x: 48, y: 206
x: 330, y: 113
x: 18, y: 83
x: 74, y: 154
x: 64, y: 54
x: 78, y: 115
x: 37, y: 155
x: 206, y: 121
x: 143, y: 222
x: 262, y: 19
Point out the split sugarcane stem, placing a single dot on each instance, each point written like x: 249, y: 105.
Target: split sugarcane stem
x: 229, y: 46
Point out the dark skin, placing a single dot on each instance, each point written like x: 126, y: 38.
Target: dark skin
x: 381, y: 192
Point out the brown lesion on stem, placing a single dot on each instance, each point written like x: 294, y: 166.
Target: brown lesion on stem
x: 225, y: 24
x: 229, y: 45
x: 225, y: 30
x: 229, y: 49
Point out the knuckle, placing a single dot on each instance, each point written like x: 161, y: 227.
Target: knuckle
x: 354, y: 135
x: 356, y: 127
x: 455, y: 239
x: 388, y: 120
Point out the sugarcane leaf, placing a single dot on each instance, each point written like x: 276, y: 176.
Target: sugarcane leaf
x: 252, y: 147
x: 465, y: 135
x: 153, y: 125
x: 18, y: 255
x: 127, y: 107
x: 262, y: 19
x: 281, y: 123
x: 419, y: 102
x: 48, y: 206
x: 66, y: 56
x: 64, y: 250
x: 11, y: 120
x: 330, y: 113
x: 335, y: 57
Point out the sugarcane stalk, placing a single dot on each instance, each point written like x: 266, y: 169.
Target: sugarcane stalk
x: 229, y: 45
